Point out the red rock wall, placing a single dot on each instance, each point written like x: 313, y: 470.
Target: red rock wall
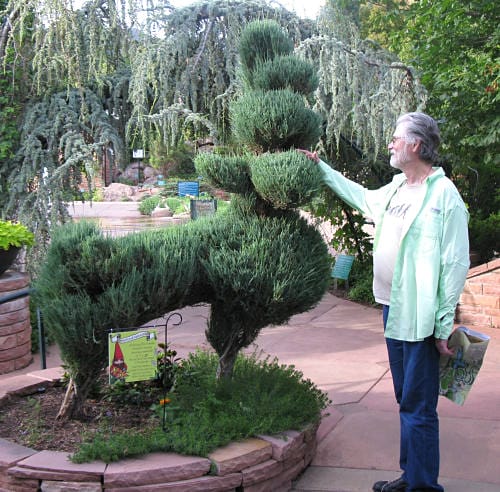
x: 260, y: 464
x: 15, y: 325
x: 479, y: 304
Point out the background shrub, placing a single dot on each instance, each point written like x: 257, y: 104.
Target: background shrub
x: 484, y: 235
x: 149, y: 203
x: 361, y: 282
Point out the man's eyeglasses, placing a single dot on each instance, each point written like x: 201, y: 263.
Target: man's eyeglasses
x: 395, y: 139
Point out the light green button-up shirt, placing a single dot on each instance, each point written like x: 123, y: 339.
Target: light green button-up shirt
x: 433, y: 257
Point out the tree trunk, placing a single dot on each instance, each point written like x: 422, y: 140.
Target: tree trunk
x: 226, y: 363
x: 63, y: 413
x: 73, y: 405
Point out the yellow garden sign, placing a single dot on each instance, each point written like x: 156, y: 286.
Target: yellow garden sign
x: 132, y: 356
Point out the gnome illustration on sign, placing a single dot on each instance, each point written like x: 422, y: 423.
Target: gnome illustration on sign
x: 118, y: 368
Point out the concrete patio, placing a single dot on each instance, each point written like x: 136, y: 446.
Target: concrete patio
x: 339, y: 346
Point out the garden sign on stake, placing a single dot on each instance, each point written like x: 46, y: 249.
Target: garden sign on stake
x: 164, y: 382
x: 132, y: 355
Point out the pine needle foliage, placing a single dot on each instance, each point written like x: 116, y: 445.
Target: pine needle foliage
x: 260, y: 42
x: 279, y: 265
x: 286, y: 71
x: 274, y: 120
x: 277, y: 270
x: 91, y: 284
x: 232, y: 173
x: 287, y: 180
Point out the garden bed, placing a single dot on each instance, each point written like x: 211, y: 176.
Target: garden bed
x: 255, y: 464
x: 29, y: 429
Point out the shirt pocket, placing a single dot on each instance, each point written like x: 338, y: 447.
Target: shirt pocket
x: 425, y: 232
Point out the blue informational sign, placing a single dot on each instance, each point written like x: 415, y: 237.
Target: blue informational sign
x: 191, y: 188
x: 342, y: 267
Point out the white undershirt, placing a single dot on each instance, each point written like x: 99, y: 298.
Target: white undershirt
x: 384, y: 258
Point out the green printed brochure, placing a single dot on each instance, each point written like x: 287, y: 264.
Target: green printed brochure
x: 457, y: 373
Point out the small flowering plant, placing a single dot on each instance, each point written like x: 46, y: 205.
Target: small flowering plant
x: 166, y: 410
x: 14, y: 234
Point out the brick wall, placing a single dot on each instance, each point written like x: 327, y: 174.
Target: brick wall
x: 479, y: 303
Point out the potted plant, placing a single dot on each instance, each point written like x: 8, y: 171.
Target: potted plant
x: 13, y: 236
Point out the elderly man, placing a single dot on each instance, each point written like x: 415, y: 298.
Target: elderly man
x: 420, y: 262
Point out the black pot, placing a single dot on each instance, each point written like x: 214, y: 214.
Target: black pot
x: 7, y: 258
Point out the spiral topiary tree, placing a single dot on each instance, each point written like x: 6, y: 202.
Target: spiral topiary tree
x: 256, y: 265
x: 282, y: 269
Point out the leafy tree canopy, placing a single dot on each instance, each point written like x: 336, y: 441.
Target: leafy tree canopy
x: 455, y: 48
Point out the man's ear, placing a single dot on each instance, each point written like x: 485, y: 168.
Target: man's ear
x: 416, y: 147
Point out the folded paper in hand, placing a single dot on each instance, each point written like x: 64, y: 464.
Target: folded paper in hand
x: 457, y: 373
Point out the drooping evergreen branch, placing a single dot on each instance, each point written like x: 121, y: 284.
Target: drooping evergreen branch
x: 59, y: 151
x: 6, y: 29
x: 360, y: 95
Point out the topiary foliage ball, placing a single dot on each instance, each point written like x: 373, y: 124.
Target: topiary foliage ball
x: 286, y: 180
x: 260, y: 41
x: 286, y: 72
x: 231, y: 173
x: 280, y: 269
x: 274, y: 120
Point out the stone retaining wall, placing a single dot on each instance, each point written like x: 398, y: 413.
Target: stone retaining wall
x: 263, y: 464
x: 254, y: 465
x: 479, y: 304
x: 15, y: 325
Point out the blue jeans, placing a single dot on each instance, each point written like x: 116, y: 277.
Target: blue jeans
x: 415, y: 376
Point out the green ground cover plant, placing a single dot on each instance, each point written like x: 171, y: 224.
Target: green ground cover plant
x: 203, y: 413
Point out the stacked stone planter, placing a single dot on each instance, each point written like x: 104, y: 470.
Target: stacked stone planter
x: 260, y: 464
x: 15, y: 326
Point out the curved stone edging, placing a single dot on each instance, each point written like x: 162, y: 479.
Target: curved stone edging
x: 257, y: 464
